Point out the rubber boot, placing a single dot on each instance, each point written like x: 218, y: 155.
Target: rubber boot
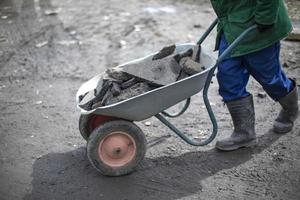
x: 285, y: 121
x: 243, y: 117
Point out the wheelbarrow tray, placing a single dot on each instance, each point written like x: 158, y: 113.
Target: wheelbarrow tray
x: 155, y: 101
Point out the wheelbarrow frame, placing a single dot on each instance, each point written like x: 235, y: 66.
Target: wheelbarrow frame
x: 212, y: 117
x: 208, y: 75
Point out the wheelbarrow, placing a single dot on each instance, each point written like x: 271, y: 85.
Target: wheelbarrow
x: 115, y: 144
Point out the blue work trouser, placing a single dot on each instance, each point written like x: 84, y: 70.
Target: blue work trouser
x: 264, y: 66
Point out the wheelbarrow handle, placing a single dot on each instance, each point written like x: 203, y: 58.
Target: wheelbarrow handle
x: 207, y: 32
x: 205, y: 91
x: 233, y: 45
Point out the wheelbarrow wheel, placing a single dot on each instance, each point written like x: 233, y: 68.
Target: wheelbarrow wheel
x: 87, y: 123
x: 115, y: 148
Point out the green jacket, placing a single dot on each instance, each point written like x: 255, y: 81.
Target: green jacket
x: 237, y: 15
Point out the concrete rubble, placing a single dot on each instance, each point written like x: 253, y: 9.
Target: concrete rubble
x: 135, y: 78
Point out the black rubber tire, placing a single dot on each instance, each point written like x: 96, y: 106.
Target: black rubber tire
x: 99, y: 133
x: 84, y: 127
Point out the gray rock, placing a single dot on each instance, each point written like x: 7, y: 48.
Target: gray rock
x: 133, y: 91
x: 190, y: 67
x: 87, y: 100
x: 166, y: 51
x: 129, y: 83
x: 116, y: 89
x: 182, y: 75
x: 160, y: 72
x: 117, y: 73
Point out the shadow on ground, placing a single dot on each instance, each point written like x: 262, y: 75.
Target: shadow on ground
x: 70, y: 176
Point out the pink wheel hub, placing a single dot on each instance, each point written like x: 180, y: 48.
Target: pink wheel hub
x: 117, y: 149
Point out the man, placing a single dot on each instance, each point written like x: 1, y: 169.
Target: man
x: 258, y: 56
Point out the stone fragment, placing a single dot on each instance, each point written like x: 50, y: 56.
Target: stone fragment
x: 166, y: 51
x: 190, y: 67
x: 106, y: 97
x: 49, y: 12
x: 182, y: 75
x: 129, y: 83
x: 87, y: 100
x: 148, y: 123
x: 158, y: 72
x: 118, y: 74
x: 133, y: 91
x: 116, y: 89
x: 41, y: 44
x: 187, y: 53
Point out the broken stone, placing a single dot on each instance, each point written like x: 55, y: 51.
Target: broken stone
x: 106, y: 77
x: 52, y: 12
x: 187, y: 53
x: 122, y: 44
x: 116, y: 89
x: 133, y: 91
x: 166, y: 51
x: 158, y: 72
x: 189, y: 66
x: 118, y: 74
x: 87, y: 100
x: 107, y: 84
x: 106, y: 97
x: 99, y: 85
x: 129, y: 83
x: 41, y: 44
x: 148, y: 123
x: 182, y: 75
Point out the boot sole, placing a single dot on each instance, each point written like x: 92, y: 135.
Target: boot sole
x: 282, y: 130
x: 238, y: 146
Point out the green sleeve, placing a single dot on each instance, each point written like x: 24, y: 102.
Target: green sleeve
x: 266, y: 11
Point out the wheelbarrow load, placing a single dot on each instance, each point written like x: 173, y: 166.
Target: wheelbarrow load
x: 115, y: 144
x: 132, y: 79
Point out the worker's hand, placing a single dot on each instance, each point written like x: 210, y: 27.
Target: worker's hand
x: 263, y: 28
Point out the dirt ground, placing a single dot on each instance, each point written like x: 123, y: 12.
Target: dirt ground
x: 48, y: 48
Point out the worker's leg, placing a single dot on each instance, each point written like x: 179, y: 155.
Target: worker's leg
x: 265, y: 67
x: 233, y: 78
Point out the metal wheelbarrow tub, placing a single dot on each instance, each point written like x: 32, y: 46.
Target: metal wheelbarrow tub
x: 155, y: 101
